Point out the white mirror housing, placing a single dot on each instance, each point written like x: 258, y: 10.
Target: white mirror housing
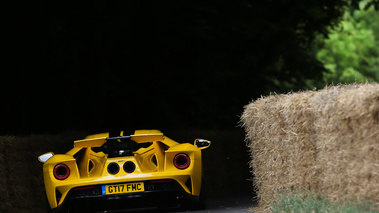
x: 202, y: 143
x: 43, y: 158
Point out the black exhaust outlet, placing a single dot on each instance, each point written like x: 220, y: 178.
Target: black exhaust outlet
x: 129, y: 167
x: 113, y: 168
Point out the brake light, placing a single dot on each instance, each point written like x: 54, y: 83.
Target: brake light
x: 181, y: 161
x: 84, y: 187
x: 61, y: 171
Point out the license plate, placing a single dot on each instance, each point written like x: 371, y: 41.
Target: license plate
x: 123, y: 188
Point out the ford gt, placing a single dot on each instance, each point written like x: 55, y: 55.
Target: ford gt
x: 106, y: 172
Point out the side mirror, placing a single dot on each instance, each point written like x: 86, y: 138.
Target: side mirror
x: 43, y: 158
x: 202, y: 143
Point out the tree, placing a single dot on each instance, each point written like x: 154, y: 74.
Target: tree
x: 350, y: 53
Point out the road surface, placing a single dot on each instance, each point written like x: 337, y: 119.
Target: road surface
x: 230, y: 204
x: 233, y: 203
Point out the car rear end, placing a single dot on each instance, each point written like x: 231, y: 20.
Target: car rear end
x: 163, y: 173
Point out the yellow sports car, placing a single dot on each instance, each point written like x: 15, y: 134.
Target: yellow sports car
x: 141, y: 170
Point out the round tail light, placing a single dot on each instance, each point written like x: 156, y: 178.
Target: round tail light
x: 181, y: 161
x: 113, y: 168
x: 61, y: 171
x: 129, y: 167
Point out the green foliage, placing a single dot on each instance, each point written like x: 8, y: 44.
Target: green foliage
x: 351, y: 51
x: 304, y: 202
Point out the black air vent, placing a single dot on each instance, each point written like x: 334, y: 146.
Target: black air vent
x: 189, y: 184
x: 154, y: 160
x: 58, y: 195
x: 90, y: 166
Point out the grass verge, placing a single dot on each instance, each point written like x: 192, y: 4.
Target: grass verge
x: 306, y: 202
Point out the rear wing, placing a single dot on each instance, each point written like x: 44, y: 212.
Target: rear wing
x: 140, y: 136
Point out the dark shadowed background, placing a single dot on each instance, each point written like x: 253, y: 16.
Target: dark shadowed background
x: 153, y: 64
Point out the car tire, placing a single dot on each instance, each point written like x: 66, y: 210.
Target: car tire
x: 198, y: 204
x: 201, y: 204
x: 85, y: 206
x: 48, y: 209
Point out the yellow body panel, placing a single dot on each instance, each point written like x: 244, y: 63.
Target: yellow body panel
x: 153, y: 162
x: 93, y: 142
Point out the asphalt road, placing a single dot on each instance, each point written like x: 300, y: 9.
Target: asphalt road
x: 227, y: 203
x: 232, y: 203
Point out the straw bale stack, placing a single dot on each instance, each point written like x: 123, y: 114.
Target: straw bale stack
x: 326, y: 141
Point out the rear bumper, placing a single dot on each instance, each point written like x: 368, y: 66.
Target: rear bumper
x: 161, y: 194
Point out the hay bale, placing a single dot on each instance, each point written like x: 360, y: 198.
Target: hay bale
x: 281, y: 142
x: 348, y: 142
x: 314, y: 139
